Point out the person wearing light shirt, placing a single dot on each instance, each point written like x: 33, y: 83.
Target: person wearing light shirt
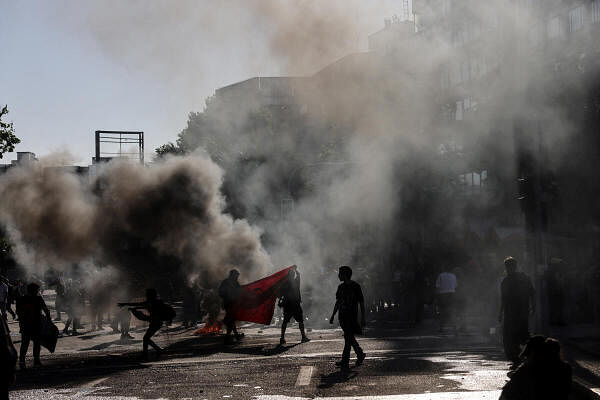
x: 445, y: 286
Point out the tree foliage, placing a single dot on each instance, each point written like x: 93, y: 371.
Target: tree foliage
x: 8, y: 139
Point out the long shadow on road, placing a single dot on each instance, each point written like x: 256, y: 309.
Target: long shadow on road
x: 86, y: 365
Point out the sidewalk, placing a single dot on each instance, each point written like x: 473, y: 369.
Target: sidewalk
x: 581, y: 348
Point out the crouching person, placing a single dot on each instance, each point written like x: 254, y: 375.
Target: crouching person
x: 158, y: 312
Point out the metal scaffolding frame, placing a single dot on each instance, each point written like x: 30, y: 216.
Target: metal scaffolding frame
x: 121, y: 138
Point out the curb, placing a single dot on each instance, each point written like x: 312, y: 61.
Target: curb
x: 583, y: 390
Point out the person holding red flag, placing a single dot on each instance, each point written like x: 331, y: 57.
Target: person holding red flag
x: 254, y: 302
x: 290, y: 300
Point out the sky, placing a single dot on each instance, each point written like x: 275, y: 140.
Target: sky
x: 72, y: 67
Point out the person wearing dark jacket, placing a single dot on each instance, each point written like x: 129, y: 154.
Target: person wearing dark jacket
x: 517, y: 303
x: 29, y: 309
x: 8, y: 360
x: 229, y: 290
x: 290, y: 300
x: 349, y: 297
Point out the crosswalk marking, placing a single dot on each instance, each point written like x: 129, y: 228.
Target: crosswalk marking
x: 304, y: 375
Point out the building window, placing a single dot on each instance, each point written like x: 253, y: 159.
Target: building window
x: 464, y: 71
x: 536, y: 35
x: 459, y: 110
x: 595, y: 11
x: 576, y: 19
x: 445, y: 78
x: 469, y: 104
x: 474, y: 180
x: 554, y: 28
x: 455, y: 77
x: 446, y: 7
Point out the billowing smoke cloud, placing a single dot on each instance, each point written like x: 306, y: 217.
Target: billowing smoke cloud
x: 378, y: 160
x: 147, y: 222
x: 364, y: 162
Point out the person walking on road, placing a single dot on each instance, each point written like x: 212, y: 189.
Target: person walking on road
x: 29, y: 309
x: 445, y: 286
x: 516, y: 304
x: 349, y: 297
x: 229, y: 290
x: 290, y: 300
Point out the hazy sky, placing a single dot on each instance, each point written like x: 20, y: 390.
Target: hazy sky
x: 72, y: 67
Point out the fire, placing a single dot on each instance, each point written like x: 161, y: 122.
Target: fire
x: 210, y: 328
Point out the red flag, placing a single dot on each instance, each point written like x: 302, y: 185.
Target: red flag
x: 257, y: 299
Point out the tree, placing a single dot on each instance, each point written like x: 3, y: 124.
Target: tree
x: 8, y: 139
x: 169, y: 148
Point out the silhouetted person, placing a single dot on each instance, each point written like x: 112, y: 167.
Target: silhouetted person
x: 290, y: 299
x: 8, y: 360
x: 517, y: 296
x: 155, y: 308
x: 348, y: 298
x: 445, y: 286
x: 13, y: 295
x: 542, y: 375
x: 29, y: 309
x: 229, y: 290
x: 15, y: 292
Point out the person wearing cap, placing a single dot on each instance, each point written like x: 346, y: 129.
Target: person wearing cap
x: 517, y: 303
x: 348, y: 298
x: 29, y: 309
x: 229, y: 290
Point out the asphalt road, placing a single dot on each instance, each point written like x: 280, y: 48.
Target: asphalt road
x: 400, y: 364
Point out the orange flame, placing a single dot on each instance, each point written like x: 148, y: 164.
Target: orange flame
x: 210, y: 328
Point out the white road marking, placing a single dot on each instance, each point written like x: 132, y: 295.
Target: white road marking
x: 486, y: 395
x: 304, y: 375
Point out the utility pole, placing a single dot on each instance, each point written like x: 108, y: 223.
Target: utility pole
x: 531, y: 191
x: 539, y: 248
